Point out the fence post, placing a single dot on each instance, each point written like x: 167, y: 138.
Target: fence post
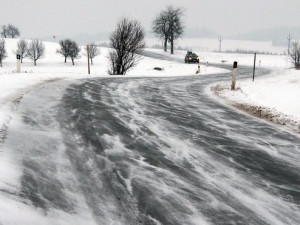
x: 198, y: 71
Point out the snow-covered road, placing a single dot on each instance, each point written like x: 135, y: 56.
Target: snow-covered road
x: 144, y: 151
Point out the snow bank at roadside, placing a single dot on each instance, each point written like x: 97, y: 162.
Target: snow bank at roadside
x: 274, y: 97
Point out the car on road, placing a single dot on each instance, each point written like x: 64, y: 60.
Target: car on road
x: 191, y: 57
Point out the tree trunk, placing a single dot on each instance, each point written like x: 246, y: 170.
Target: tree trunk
x: 172, y: 44
x: 91, y: 61
x: 35, y: 62
x: 73, y: 62
x: 166, y: 44
x: 65, y: 59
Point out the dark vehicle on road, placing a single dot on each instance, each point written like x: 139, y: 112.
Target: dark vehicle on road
x: 191, y: 57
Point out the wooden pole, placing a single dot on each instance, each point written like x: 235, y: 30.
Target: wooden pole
x: 254, y: 66
x: 88, y: 55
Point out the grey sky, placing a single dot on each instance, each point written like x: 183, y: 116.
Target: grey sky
x: 38, y: 18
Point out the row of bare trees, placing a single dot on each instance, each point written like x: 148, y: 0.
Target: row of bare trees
x: 9, y: 31
x: 70, y: 49
x: 33, y: 50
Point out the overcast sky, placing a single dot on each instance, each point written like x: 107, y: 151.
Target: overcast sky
x: 37, y: 18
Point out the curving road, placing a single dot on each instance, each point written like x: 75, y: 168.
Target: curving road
x: 152, y: 151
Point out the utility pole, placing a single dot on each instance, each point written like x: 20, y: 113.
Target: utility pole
x: 88, y: 55
x: 254, y: 67
x: 289, y: 43
x: 220, y: 43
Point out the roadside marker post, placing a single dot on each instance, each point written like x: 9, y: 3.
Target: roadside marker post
x: 254, y: 66
x: 18, y: 62
x: 88, y: 55
x: 198, y: 71
x: 234, y: 74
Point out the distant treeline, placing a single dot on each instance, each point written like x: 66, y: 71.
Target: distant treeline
x: 243, y: 51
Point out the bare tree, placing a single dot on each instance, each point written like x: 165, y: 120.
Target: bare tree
x: 74, y: 51
x: 175, y: 24
x: 13, y: 31
x: 161, y: 28
x: 65, y: 46
x: 3, y: 54
x: 94, y: 51
x: 295, y: 54
x: 169, y: 25
x: 22, y: 49
x: 127, y: 42
x: 4, y: 31
x: 36, y: 50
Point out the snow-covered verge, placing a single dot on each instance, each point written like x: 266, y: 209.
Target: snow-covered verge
x: 274, y: 98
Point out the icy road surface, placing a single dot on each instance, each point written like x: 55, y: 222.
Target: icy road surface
x: 145, y: 151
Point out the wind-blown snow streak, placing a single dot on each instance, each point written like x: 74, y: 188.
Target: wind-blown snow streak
x: 148, y: 151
